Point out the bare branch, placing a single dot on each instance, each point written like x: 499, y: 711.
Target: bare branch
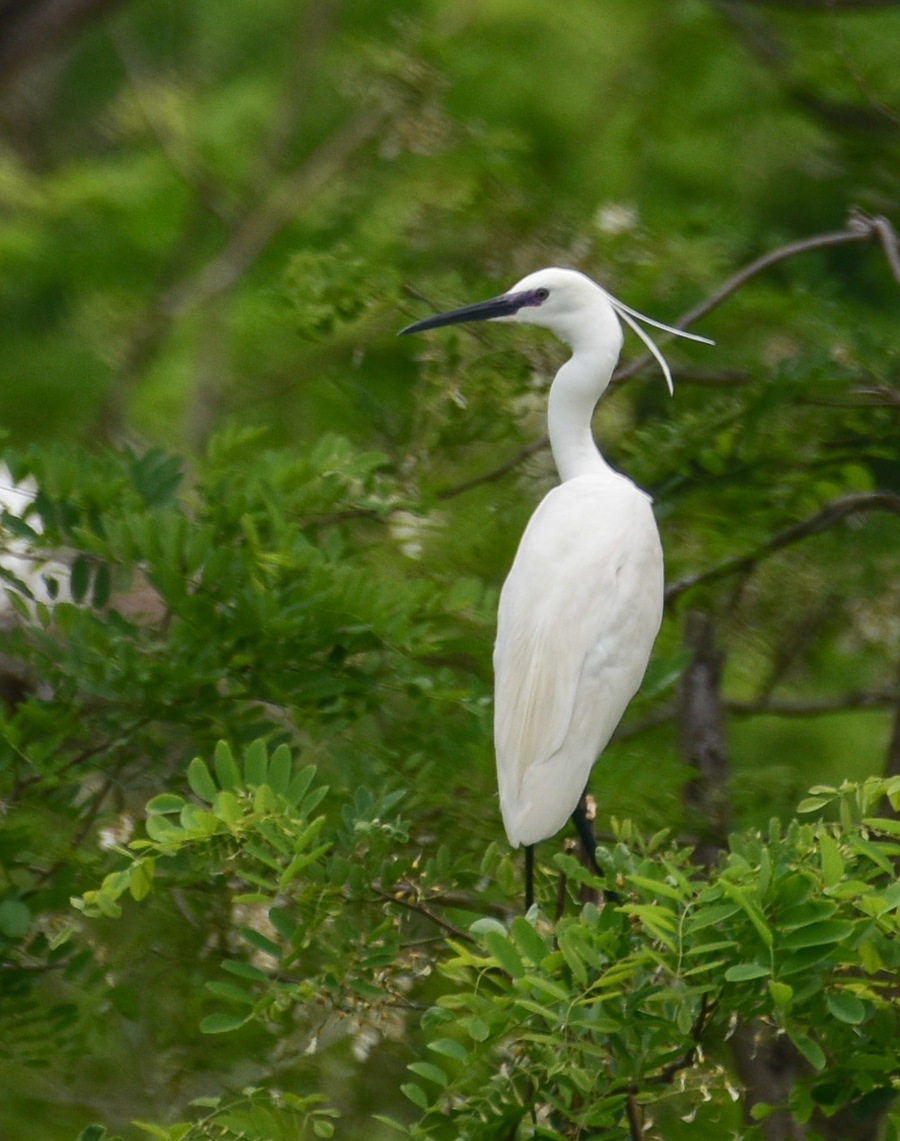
x: 495, y: 473
x: 831, y: 514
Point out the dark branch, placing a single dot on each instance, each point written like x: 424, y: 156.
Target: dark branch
x: 831, y: 514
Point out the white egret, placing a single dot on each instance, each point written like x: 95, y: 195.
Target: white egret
x: 582, y: 605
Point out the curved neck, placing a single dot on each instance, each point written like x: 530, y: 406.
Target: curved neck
x: 578, y: 386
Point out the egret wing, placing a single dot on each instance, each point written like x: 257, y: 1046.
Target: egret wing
x: 578, y: 615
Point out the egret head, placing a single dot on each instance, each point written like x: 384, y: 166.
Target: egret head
x: 568, y: 303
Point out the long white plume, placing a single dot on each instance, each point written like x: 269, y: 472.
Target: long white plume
x: 632, y: 316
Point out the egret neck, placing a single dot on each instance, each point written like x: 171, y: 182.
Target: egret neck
x: 578, y: 386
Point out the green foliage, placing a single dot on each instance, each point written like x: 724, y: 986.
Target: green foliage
x: 558, y: 1025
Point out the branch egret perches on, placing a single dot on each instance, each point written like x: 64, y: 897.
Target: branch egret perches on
x: 582, y: 605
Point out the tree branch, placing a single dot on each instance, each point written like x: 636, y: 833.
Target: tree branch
x: 832, y: 513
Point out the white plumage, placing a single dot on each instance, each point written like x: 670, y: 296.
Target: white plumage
x: 582, y: 604
x: 578, y: 616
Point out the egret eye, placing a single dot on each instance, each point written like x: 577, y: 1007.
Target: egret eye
x: 542, y: 294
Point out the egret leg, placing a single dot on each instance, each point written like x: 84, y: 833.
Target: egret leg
x: 585, y: 830
x: 529, y: 876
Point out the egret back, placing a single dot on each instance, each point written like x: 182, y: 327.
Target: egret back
x: 579, y: 612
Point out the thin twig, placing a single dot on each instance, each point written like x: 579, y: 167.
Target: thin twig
x: 426, y: 912
x: 635, y: 1118
x: 860, y: 228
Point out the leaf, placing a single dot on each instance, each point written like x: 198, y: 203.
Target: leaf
x: 80, y: 578
x: 244, y: 970
x: 449, y: 1048
x: 200, y: 780
x: 141, y: 879
x: 226, y: 770
x: 415, y: 1093
x: 256, y: 763
x: 813, y: 803
x: 227, y: 807
x: 846, y: 1007
x: 260, y: 942
x: 572, y: 957
x: 527, y: 939
x: 476, y: 1028
x: 781, y: 993
x: 296, y: 790
x: 429, y: 1071
x: 165, y: 803
x: 711, y: 915
x: 485, y: 924
x: 230, y: 991
x: 505, y: 953
x: 750, y: 908
x: 102, y: 586
x: 818, y: 934
x: 810, y: 1050
x: 15, y: 918
x: 280, y: 770
x: 221, y: 1023
x: 742, y: 972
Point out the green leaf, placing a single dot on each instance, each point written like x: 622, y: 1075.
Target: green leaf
x: 449, y: 1048
x: 80, y: 578
x: 749, y: 907
x: 781, y: 993
x: 200, y: 780
x: 476, y: 1028
x: 260, y: 942
x: 813, y: 803
x: 846, y: 1007
x: 227, y: 807
x: 505, y: 953
x: 825, y: 932
x: 415, y: 1093
x: 742, y: 972
x: 166, y: 802
x: 15, y: 918
x: 226, y: 770
x: 297, y: 789
x: 429, y: 1071
x: 256, y: 763
x: 527, y: 939
x: 141, y: 879
x: 102, y: 586
x: 832, y: 860
x: 244, y: 970
x: 230, y: 991
x: 810, y: 1050
x: 221, y: 1023
x: 280, y: 770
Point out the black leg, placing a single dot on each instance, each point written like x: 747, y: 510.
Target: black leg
x: 529, y: 875
x: 585, y: 831
x: 588, y: 840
